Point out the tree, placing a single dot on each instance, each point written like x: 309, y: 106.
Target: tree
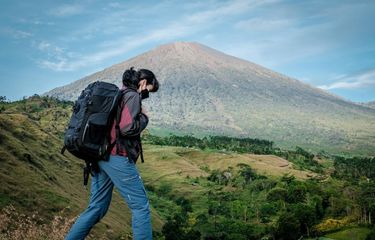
x: 288, y: 179
x: 247, y: 173
x: 296, y: 193
x: 288, y: 227
x: 185, y: 204
x: 277, y: 194
x: 371, y: 235
x: 366, y: 201
x: 172, y: 229
x: 306, y: 217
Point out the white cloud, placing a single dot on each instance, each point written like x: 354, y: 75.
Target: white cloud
x: 50, y: 49
x: 114, y: 4
x: 187, y: 25
x: 56, y: 58
x: 218, y: 12
x: 260, y: 24
x: 15, y: 33
x: 282, y: 34
x: 35, y: 21
x: 18, y: 34
x: 67, y: 10
x: 360, y: 80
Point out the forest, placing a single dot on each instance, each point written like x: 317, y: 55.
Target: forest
x: 242, y: 204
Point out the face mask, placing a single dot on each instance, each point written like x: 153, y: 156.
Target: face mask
x: 145, y: 94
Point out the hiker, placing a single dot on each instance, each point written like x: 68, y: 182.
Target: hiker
x: 120, y: 170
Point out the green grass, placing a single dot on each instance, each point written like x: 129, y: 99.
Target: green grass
x: 359, y: 233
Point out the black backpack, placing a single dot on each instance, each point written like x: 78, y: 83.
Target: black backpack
x: 88, y: 134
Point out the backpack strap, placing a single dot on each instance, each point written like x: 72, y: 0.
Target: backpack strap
x: 63, y: 150
x: 86, y: 171
x: 117, y: 127
x: 118, y: 133
x: 140, y: 148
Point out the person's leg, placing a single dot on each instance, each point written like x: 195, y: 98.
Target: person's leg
x: 127, y: 180
x: 100, y: 199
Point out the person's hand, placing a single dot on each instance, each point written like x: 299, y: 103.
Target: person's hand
x: 150, y: 87
x: 142, y: 85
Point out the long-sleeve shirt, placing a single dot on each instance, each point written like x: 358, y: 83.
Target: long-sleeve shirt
x: 132, y: 122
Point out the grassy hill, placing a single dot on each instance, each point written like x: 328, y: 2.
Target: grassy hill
x: 216, y: 193
x: 37, y: 178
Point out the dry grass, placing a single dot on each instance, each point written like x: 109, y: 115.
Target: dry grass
x: 15, y: 226
x: 174, y: 163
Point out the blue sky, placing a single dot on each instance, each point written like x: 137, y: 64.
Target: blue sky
x: 327, y: 44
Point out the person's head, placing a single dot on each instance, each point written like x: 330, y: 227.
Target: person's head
x: 133, y: 79
x: 151, y: 81
x: 130, y: 78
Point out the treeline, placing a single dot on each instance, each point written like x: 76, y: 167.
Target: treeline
x: 32, y: 104
x: 241, y: 145
x: 354, y: 167
x: 300, y: 157
x: 345, y: 167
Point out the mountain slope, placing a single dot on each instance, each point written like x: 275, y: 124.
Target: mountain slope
x: 204, y: 91
x: 370, y: 104
x: 35, y: 177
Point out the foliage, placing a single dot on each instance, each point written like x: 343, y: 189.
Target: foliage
x: 241, y: 145
x: 371, y: 235
x: 354, y: 167
x: 300, y: 157
x: 358, y: 233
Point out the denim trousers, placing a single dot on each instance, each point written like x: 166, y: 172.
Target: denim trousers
x: 118, y: 171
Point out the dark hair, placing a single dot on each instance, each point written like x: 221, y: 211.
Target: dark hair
x: 150, y: 78
x: 130, y: 78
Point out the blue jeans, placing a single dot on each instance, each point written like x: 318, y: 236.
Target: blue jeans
x: 118, y: 171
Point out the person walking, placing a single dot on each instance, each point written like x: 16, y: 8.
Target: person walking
x: 119, y: 170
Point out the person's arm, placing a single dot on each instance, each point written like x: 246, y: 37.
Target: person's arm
x: 132, y: 122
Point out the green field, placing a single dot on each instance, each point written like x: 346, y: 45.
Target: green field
x: 351, y: 233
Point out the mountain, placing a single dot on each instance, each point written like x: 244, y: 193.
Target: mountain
x: 204, y: 91
x: 370, y: 104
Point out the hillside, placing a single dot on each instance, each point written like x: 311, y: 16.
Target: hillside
x: 210, y: 193
x: 206, y: 92
x: 35, y: 177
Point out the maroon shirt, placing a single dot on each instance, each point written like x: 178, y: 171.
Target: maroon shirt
x: 132, y: 120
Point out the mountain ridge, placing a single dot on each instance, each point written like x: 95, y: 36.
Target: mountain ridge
x: 370, y: 104
x: 204, y: 91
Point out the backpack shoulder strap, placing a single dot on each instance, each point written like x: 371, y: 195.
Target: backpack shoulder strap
x: 117, y: 126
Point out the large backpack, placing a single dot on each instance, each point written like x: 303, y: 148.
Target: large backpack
x: 88, y: 134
